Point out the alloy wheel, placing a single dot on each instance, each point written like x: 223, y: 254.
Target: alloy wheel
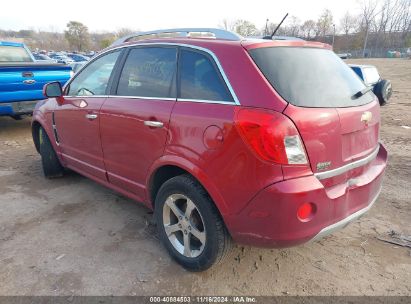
x: 184, y: 225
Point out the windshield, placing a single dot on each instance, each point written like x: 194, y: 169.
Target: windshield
x: 14, y: 54
x: 310, y: 77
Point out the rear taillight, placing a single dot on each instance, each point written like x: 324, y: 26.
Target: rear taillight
x: 271, y: 135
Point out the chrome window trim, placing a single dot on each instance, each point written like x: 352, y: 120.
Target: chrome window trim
x: 211, y: 53
x: 347, y: 167
x: 206, y: 101
x: 142, y: 97
x: 344, y: 222
x: 85, y: 96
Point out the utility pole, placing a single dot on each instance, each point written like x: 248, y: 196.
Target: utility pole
x: 266, y: 27
x: 333, y: 35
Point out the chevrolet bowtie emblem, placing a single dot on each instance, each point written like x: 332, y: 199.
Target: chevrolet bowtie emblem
x: 366, y: 117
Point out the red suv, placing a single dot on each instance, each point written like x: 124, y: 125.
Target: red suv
x: 269, y: 143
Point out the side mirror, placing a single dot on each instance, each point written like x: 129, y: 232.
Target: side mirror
x: 53, y: 89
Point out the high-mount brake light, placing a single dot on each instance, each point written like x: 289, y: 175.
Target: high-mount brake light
x: 271, y: 135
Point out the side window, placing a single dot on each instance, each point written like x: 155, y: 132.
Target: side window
x: 149, y: 72
x: 199, y: 78
x: 93, y: 80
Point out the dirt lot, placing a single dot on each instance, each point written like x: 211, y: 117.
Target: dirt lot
x: 71, y: 236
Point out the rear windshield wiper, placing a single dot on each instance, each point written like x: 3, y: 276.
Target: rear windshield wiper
x: 361, y: 93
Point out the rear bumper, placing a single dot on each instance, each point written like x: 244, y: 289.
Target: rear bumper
x: 344, y: 222
x: 270, y: 219
x: 17, y: 108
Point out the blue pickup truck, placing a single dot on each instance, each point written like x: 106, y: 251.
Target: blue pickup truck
x: 22, y: 79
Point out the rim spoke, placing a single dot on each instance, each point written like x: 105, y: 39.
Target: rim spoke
x: 200, y: 235
x: 170, y: 229
x: 190, y: 208
x: 171, y: 203
x: 187, y: 249
x: 180, y: 233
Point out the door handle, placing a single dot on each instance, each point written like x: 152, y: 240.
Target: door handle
x: 154, y: 124
x: 29, y: 81
x: 91, y: 116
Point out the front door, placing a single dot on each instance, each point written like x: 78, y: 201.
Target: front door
x: 134, y: 122
x: 77, y: 117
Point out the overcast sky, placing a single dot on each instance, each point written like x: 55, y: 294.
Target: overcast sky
x: 112, y: 15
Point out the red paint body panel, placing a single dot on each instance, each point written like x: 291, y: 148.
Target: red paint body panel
x: 282, y: 228
x: 80, y: 144
x: 336, y: 135
x: 257, y: 199
x: 127, y: 161
x: 231, y: 167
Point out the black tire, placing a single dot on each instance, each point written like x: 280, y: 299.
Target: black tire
x: 217, y: 239
x: 51, y: 164
x: 17, y: 117
x: 383, y: 90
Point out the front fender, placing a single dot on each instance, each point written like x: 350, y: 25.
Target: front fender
x: 42, y: 116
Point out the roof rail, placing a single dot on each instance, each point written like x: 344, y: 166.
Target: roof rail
x: 183, y: 32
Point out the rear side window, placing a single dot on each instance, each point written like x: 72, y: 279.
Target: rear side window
x: 199, y: 78
x: 310, y: 77
x: 149, y: 72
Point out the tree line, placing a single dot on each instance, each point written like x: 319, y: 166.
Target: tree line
x: 379, y: 25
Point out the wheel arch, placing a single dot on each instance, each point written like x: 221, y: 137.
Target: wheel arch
x: 168, y: 167
x: 35, y: 128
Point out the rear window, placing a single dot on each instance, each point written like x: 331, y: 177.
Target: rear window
x: 13, y: 54
x: 310, y: 77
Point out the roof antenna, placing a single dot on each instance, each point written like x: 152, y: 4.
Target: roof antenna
x: 270, y: 37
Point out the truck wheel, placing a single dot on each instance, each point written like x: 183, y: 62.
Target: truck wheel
x: 383, y: 90
x: 190, y: 225
x: 17, y: 117
x: 51, y: 164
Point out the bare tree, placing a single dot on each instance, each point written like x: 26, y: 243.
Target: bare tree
x: 308, y: 29
x: 368, y: 13
x: 227, y: 24
x: 293, y: 27
x: 325, y: 23
x: 348, y: 23
x: 122, y: 32
x: 245, y: 28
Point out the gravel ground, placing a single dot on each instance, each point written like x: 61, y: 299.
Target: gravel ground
x: 71, y: 236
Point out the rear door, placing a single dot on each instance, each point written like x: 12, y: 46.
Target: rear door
x: 337, y: 119
x: 135, y: 118
x: 77, y: 117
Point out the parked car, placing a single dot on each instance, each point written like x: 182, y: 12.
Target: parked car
x: 382, y: 88
x: 344, y: 55
x: 78, y: 58
x: 270, y: 143
x: 60, y: 58
x: 22, y: 79
x: 42, y: 57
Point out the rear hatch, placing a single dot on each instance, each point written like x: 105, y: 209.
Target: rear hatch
x: 338, y: 119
